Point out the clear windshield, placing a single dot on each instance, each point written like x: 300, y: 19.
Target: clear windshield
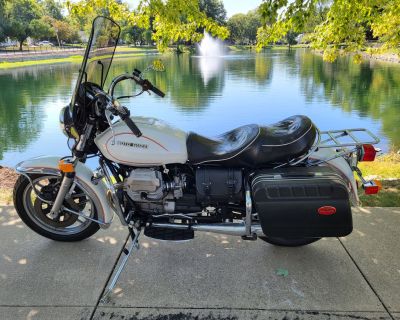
x: 99, y: 53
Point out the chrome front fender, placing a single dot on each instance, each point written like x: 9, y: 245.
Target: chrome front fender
x: 98, y: 191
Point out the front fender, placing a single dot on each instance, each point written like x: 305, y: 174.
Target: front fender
x: 98, y: 191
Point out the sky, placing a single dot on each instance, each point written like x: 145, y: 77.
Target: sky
x: 232, y: 6
x: 240, y: 6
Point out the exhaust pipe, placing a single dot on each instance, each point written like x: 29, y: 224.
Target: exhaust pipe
x: 231, y: 229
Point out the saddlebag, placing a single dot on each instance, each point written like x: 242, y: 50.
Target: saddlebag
x: 302, y: 202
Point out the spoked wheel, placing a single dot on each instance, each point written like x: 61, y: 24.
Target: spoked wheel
x: 289, y: 242
x: 35, y: 210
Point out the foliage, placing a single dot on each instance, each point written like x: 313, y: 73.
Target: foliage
x: 243, y: 27
x: 65, y: 31
x: 214, y: 9
x: 338, y: 26
x: 22, y: 19
x: 176, y: 20
x: 53, y: 9
x: 2, y: 20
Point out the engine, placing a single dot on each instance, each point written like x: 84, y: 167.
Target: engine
x: 151, y: 192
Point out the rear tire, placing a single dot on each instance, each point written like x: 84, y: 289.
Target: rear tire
x: 62, y: 230
x: 289, y: 242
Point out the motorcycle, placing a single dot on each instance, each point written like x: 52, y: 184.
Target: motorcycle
x: 288, y: 183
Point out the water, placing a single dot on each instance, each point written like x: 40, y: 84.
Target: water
x: 210, y: 96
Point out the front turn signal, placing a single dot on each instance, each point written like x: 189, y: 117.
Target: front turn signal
x: 66, y: 167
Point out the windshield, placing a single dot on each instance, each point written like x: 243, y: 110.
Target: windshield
x: 99, y: 53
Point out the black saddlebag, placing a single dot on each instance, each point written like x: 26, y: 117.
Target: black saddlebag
x: 216, y: 185
x: 302, y: 202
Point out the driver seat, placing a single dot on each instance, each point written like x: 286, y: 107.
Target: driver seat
x: 254, y: 146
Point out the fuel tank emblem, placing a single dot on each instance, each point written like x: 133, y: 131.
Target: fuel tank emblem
x: 133, y: 145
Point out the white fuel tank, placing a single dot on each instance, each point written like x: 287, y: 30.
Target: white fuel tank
x: 160, y: 143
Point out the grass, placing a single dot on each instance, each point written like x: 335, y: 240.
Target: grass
x: 19, y: 64
x: 71, y: 59
x: 388, y: 196
x: 386, y: 166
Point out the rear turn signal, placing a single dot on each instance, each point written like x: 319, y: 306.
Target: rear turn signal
x: 367, y: 153
x: 372, y: 187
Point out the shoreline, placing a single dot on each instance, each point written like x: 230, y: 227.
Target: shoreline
x: 12, y: 62
x: 121, y: 52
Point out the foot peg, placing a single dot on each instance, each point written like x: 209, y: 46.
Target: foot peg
x: 169, y: 234
x: 126, y: 252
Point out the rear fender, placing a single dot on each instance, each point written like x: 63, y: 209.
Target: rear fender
x: 98, y: 191
x: 342, y: 167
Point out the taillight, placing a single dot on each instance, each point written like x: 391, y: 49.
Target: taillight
x: 372, y: 187
x: 367, y: 153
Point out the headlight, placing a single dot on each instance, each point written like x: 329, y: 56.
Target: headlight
x: 66, y: 124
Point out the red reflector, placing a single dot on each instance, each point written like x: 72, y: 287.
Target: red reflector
x: 371, y: 189
x: 368, y: 152
x: 327, y: 210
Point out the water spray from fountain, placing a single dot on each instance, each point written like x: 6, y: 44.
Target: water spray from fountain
x: 210, y: 47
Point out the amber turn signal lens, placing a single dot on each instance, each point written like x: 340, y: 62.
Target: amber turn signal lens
x: 65, y: 167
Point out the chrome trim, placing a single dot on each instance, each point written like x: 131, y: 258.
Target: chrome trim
x: 249, y: 209
x: 232, y: 229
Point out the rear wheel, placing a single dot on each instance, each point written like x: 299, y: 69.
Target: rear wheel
x: 289, y: 242
x: 35, y: 211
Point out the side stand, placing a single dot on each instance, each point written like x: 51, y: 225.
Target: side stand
x: 126, y: 252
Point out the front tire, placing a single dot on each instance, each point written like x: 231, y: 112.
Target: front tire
x: 289, y: 242
x: 34, y: 212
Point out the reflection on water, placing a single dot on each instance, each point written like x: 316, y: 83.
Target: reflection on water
x: 210, y: 67
x: 210, y: 95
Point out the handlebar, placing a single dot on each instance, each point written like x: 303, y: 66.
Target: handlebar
x: 131, y: 125
x: 124, y: 112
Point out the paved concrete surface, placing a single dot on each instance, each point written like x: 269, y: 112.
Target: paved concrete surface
x: 211, y: 277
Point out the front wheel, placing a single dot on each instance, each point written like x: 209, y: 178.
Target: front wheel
x: 289, y: 242
x: 35, y: 211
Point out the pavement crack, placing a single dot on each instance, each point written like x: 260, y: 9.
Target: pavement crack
x: 366, y: 280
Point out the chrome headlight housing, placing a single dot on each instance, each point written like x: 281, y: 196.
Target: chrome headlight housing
x: 67, y: 125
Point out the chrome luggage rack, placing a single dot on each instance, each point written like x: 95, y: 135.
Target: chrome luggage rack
x: 332, y: 140
x: 333, y: 137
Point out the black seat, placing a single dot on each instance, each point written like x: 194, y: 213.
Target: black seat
x: 253, y: 145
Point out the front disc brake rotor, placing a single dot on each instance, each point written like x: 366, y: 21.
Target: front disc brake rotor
x: 64, y: 219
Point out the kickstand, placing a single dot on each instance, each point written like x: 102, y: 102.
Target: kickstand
x: 126, y: 252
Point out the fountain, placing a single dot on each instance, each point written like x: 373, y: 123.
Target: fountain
x: 210, y: 47
x: 210, y: 51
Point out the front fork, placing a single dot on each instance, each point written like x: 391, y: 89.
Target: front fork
x: 68, y: 169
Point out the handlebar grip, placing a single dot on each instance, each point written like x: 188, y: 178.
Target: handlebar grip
x: 157, y: 91
x: 131, y: 125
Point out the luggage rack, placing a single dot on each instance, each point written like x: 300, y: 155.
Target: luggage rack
x: 331, y: 138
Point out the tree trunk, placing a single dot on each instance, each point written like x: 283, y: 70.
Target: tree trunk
x: 20, y: 45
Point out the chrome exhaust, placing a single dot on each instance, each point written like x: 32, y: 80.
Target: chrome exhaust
x: 231, y: 229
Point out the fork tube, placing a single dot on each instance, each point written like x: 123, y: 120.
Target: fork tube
x: 64, y: 189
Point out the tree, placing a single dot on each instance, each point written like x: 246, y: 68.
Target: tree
x: 341, y: 27
x: 236, y: 28
x: 243, y: 27
x: 65, y: 31
x: 53, y: 9
x: 214, y: 9
x: 2, y: 19
x: 23, y: 20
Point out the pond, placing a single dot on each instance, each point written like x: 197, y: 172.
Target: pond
x: 210, y: 96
